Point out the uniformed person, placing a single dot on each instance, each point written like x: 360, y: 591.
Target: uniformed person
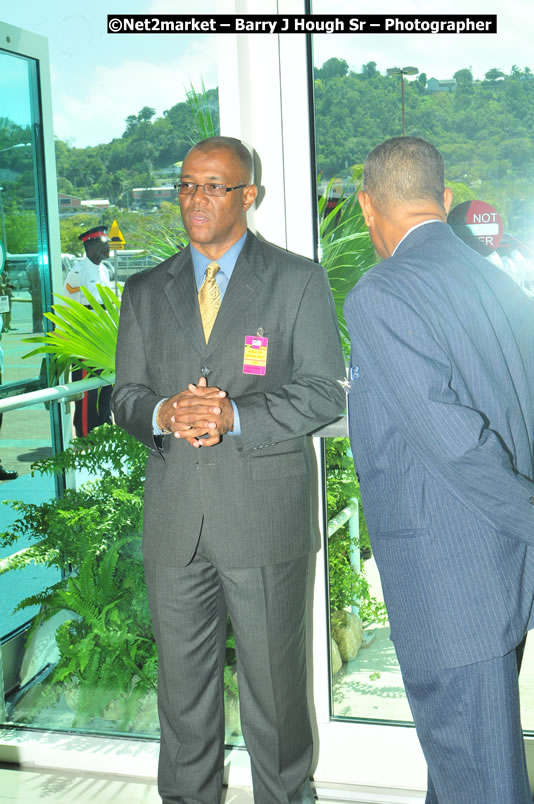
x: 94, y: 409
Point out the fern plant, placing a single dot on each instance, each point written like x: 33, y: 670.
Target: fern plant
x: 108, y: 657
x: 107, y: 650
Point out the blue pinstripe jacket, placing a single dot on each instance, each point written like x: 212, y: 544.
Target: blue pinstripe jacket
x: 441, y: 414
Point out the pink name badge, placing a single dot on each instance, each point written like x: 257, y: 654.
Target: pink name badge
x: 255, y: 357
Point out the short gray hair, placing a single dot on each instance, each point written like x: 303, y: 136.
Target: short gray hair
x: 231, y: 144
x: 404, y: 169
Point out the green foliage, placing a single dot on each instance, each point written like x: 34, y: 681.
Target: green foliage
x: 470, y: 125
x: 230, y: 681
x: 346, y: 250
x: 108, y: 657
x: 83, y: 337
x: 460, y: 192
x: 72, y: 227
x: 204, y: 113
x: 494, y: 74
x: 84, y: 521
x: 21, y: 232
x: 148, y: 144
x: 336, y: 68
x: 160, y: 235
x: 107, y: 650
x: 347, y: 587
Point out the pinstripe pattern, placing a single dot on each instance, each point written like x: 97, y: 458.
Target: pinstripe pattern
x: 267, y: 609
x: 481, y: 765
x: 244, y: 504
x: 441, y: 413
x: 256, y: 483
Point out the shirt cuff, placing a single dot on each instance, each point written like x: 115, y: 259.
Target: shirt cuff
x: 155, y: 428
x: 237, y: 424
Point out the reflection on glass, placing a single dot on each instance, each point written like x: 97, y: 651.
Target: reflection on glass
x: 479, y: 116
x: 91, y: 661
x: 365, y: 672
x: 25, y: 434
x: 20, y: 278
x: 91, y: 665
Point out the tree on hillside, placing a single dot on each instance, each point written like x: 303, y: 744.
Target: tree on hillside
x: 134, y: 120
x: 420, y: 81
x: 21, y: 232
x: 70, y: 229
x: 369, y: 70
x: 494, y: 74
x: 463, y: 78
x: 333, y: 68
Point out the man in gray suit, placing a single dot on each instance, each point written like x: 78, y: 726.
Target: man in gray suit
x: 441, y: 414
x: 228, y: 525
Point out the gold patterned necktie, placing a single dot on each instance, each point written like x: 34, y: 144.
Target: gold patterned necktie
x: 209, y: 299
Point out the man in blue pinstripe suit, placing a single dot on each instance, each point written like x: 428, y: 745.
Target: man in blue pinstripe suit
x: 441, y: 413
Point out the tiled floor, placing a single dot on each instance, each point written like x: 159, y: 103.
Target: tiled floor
x: 46, y: 786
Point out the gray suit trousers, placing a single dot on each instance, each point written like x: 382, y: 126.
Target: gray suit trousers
x: 267, y: 609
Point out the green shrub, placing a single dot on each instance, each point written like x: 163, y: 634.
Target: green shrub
x: 93, y: 535
x: 347, y: 586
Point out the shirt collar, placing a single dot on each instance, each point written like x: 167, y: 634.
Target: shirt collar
x: 417, y: 226
x: 226, y: 263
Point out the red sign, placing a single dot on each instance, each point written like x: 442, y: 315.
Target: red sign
x: 479, y: 224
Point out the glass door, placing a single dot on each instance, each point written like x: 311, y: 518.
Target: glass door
x: 25, y: 289
x: 472, y: 96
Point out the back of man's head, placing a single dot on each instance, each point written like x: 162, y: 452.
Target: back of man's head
x: 404, y: 170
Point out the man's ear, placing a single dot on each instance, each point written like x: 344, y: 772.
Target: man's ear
x: 366, y: 205
x: 249, y: 196
x: 447, y: 199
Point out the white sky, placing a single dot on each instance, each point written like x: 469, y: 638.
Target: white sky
x: 99, y: 79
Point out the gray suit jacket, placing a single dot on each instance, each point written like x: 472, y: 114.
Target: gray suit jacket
x: 253, y: 489
x: 441, y: 415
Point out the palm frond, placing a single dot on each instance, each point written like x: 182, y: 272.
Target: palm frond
x: 83, y: 337
x: 162, y: 242
x: 346, y: 249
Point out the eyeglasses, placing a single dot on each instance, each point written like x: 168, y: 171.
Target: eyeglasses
x: 219, y: 190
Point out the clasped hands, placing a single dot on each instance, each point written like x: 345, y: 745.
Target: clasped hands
x: 200, y: 415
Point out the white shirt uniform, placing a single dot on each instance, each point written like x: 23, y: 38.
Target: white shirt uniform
x: 88, y: 275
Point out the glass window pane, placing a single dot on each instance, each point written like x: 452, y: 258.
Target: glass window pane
x: 473, y: 97
x: 111, y: 166
x: 25, y: 435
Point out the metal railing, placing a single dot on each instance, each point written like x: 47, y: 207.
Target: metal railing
x: 55, y: 393
x: 52, y: 394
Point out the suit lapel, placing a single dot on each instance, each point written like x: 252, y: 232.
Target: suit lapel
x: 181, y: 294
x: 245, y: 284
